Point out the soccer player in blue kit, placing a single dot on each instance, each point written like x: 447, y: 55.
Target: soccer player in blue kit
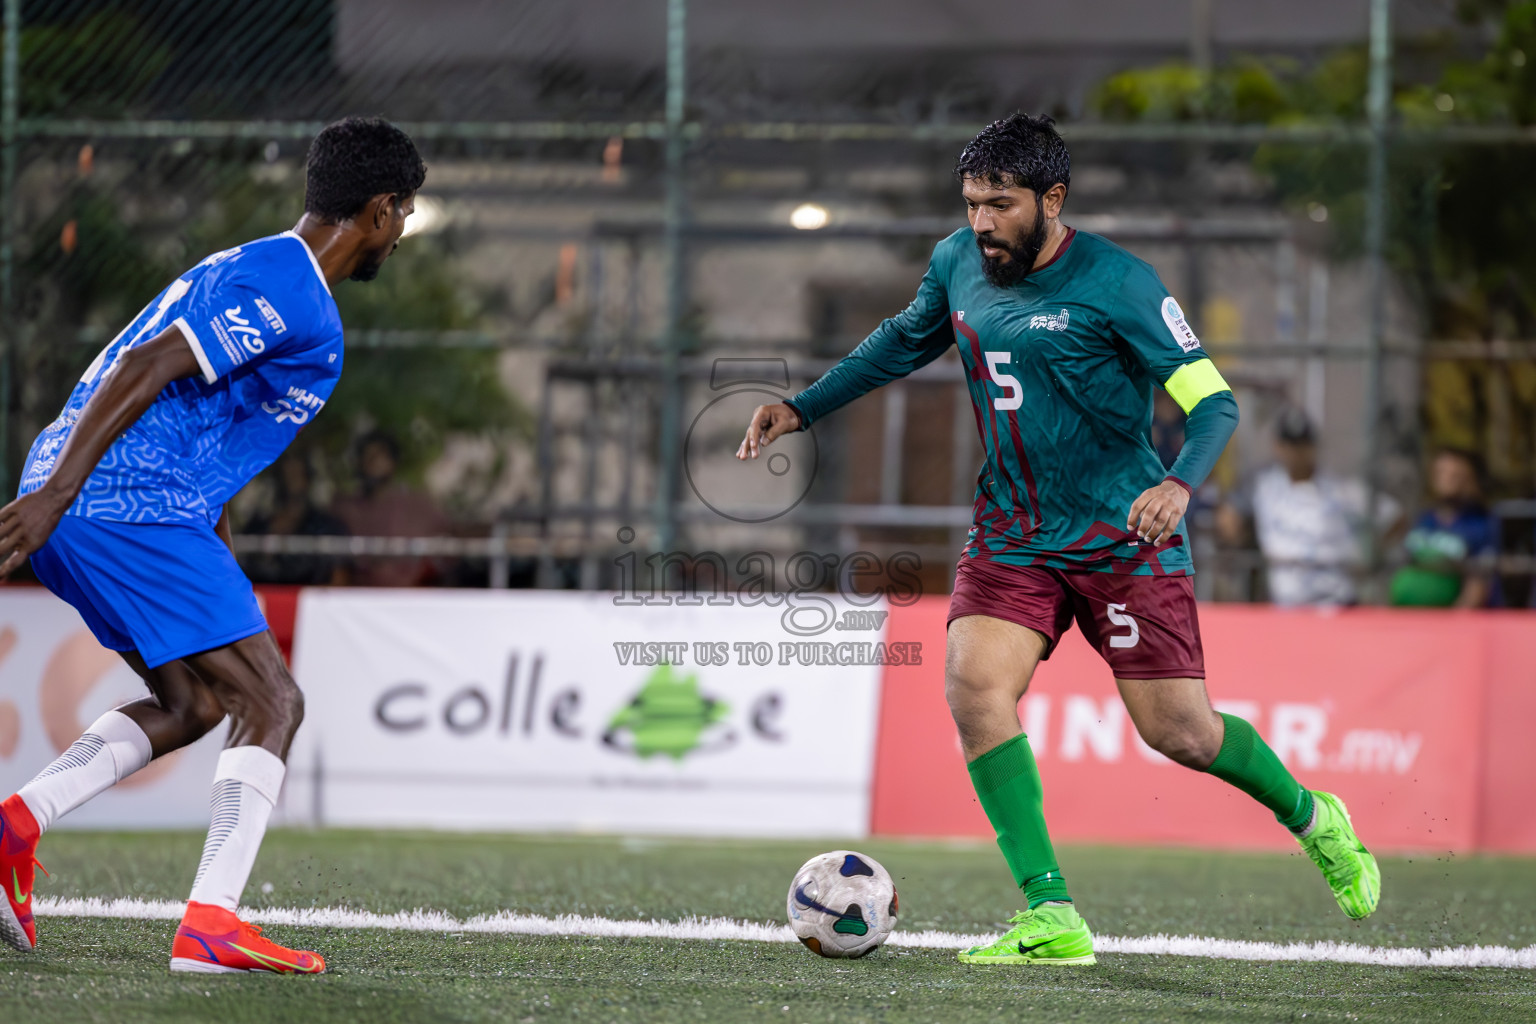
x: 122, y: 511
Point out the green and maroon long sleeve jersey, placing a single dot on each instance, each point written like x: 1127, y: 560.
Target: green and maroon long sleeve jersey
x: 1060, y: 370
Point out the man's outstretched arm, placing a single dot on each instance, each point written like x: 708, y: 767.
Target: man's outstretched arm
x: 902, y: 344
x: 131, y: 386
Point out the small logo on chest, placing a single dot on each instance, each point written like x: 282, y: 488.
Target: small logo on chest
x: 1050, y: 321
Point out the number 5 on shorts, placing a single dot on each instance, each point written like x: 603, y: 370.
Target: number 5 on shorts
x: 1118, y: 617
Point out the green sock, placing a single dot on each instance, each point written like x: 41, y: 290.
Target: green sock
x: 1247, y: 762
x: 1008, y: 785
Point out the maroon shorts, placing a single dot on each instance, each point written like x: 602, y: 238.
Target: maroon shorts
x: 1144, y: 626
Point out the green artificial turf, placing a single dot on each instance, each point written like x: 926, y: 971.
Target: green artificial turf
x: 116, y: 970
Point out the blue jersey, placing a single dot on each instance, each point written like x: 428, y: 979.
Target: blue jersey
x: 261, y: 321
x: 1469, y: 534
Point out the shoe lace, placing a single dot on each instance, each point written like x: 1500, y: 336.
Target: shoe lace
x: 40, y: 866
x: 1022, y: 917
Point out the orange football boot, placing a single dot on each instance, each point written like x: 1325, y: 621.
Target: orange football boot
x: 18, y: 855
x: 212, y: 940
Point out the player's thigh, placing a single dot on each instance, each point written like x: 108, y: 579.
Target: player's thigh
x: 1003, y: 620
x: 990, y: 657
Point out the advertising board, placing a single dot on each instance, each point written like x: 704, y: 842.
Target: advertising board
x: 574, y: 711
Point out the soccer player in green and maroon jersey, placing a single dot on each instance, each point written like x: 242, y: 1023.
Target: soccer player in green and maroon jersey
x: 1063, y: 336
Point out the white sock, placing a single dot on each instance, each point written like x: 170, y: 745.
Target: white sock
x: 113, y: 748
x: 245, y: 788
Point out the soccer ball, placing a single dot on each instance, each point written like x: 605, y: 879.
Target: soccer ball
x: 842, y: 904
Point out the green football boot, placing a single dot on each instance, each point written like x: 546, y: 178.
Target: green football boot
x: 1052, y: 933
x: 1351, y: 871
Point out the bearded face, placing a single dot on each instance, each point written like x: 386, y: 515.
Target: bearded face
x: 1006, y: 262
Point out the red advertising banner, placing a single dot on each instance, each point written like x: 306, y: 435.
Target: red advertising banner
x: 1416, y: 719
x: 1507, y: 765
x: 281, y: 607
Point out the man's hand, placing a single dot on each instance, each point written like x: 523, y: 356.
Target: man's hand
x: 1156, y: 514
x: 768, y: 423
x: 26, y: 524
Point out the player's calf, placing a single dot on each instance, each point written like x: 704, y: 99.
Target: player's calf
x: 1319, y: 821
x: 266, y: 708
x: 196, y: 720
x: 181, y: 710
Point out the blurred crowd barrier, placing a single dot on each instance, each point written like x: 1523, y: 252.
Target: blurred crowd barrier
x: 641, y: 218
x: 815, y: 716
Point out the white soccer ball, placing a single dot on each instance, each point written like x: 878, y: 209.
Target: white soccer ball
x: 842, y: 904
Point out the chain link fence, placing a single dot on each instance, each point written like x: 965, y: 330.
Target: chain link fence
x: 642, y: 218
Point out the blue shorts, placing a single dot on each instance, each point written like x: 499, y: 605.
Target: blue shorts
x: 166, y: 590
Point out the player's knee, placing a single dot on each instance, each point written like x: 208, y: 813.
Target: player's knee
x: 278, y: 707
x: 973, y: 695
x: 1190, y: 747
x: 961, y: 690
x: 291, y: 703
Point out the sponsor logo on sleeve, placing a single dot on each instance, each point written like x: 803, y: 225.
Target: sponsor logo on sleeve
x: 1179, y: 327
x: 250, y: 336
x: 233, y: 351
x: 270, y: 315
x: 236, y: 335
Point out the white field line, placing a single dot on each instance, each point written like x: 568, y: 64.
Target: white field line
x: 717, y: 929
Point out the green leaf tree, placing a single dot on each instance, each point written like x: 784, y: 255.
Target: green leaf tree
x: 1460, y: 217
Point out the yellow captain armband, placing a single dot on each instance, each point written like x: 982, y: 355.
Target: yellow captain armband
x: 1193, y: 382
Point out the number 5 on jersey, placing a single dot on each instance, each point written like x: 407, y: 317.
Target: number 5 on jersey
x: 1015, y: 396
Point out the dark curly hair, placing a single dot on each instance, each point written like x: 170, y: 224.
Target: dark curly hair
x: 356, y: 159
x: 1019, y: 151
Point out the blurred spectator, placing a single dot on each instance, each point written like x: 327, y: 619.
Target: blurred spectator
x: 385, y: 507
x: 1309, y: 525
x: 1448, y: 538
x: 295, y: 514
